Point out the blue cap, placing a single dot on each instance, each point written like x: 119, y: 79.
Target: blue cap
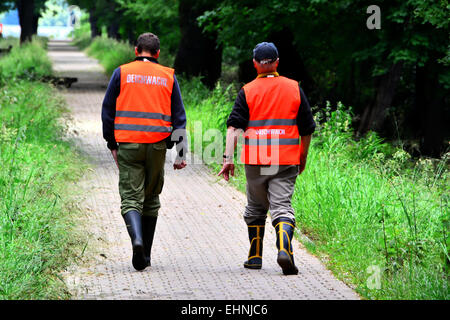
x: 265, y: 52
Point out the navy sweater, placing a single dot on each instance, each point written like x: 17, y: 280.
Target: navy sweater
x: 109, y: 108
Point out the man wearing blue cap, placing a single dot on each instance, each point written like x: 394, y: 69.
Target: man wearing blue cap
x: 275, y: 115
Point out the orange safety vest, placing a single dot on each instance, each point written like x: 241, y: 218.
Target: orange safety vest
x: 272, y: 136
x: 143, y: 107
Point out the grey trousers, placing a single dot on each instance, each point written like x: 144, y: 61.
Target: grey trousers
x: 271, y: 192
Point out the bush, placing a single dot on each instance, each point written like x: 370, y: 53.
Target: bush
x: 82, y: 34
x: 111, y: 53
x: 28, y: 61
x: 365, y: 204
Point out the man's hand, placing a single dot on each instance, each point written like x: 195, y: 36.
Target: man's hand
x: 114, y: 154
x: 179, y: 165
x: 226, y: 170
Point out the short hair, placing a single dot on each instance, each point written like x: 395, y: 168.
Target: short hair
x: 148, y: 42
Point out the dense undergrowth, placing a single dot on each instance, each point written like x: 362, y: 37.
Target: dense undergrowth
x: 378, y: 218
x: 37, y: 234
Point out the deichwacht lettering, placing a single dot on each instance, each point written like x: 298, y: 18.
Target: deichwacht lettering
x: 151, y: 80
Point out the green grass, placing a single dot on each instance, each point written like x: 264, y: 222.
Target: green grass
x: 110, y: 53
x: 38, y: 237
x: 367, y: 204
x: 28, y: 61
x: 377, y: 218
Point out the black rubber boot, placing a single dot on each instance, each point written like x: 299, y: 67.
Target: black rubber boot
x: 148, y: 231
x: 285, y: 231
x: 133, y: 222
x: 256, y: 236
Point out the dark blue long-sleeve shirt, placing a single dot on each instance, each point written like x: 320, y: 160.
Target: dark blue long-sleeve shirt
x: 109, y: 108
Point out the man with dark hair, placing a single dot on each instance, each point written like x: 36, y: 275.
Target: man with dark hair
x: 143, y: 115
x: 274, y: 112
x: 148, y: 42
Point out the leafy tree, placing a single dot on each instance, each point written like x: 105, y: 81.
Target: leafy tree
x: 55, y: 13
x: 327, y: 46
x: 91, y: 8
x: 175, y: 22
x: 159, y: 17
x: 198, y: 54
x: 29, y: 13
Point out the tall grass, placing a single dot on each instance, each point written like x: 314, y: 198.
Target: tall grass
x: 369, y: 207
x: 36, y: 224
x: 110, y: 53
x: 28, y: 61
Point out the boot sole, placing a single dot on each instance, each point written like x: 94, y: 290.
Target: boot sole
x: 138, y: 261
x: 286, y: 265
x: 252, y: 266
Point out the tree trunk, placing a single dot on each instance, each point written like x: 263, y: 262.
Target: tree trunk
x: 36, y: 23
x: 95, y: 31
x: 375, y: 113
x: 113, y: 22
x: 131, y: 36
x: 431, y: 112
x: 198, y: 53
x: 113, y: 30
x: 26, y: 14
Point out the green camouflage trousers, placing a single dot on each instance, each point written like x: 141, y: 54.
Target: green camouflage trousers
x: 141, y: 176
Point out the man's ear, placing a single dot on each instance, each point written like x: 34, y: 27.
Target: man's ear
x: 255, y: 64
x: 136, y: 51
x: 157, y: 54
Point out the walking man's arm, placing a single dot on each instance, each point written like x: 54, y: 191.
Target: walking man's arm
x: 306, y: 126
x: 179, y: 126
x: 109, y: 112
x: 304, y: 147
x: 228, y: 163
x: 236, y: 123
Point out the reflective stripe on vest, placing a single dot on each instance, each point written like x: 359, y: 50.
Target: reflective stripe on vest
x: 143, y: 108
x: 272, y: 136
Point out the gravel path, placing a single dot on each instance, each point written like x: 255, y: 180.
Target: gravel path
x: 201, y: 239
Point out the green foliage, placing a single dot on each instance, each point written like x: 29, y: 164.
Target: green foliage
x: 212, y: 107
x: 208, y: 111
x: 37, y: 232
x: 82, y: 34
x: 364, y: 203
x: 341, y: 55
x: 28, y: 61
x: 111, y: 53
x: 54, y: 13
